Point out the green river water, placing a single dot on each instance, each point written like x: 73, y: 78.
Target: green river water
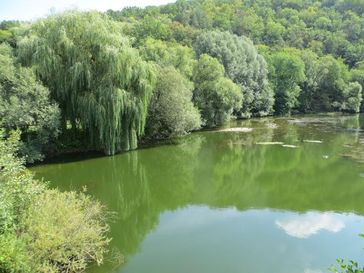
x: 218, y: 202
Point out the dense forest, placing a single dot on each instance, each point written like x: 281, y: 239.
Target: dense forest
x: 81, y: 81
x: 106, y: 82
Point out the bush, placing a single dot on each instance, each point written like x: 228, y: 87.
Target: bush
x: 67, y: 231
x: 17, y: 186
x: 351, y: 267
x: 44, y: 230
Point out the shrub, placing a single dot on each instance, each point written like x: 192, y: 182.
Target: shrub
x: 44, y: 230
x: 66, y: 231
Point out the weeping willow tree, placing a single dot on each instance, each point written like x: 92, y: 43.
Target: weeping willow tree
x: 102, y: 85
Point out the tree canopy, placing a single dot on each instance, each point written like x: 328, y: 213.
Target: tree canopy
x: 171, y: 111
x: 287, y: 73
x: 25, y: 105
x: 216, y: 96
x: 102, y: 69
x: 169, y: 54
x: 99, y: 81
x: 243, y: 65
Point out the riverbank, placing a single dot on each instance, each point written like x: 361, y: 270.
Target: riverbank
x: 76, y: 153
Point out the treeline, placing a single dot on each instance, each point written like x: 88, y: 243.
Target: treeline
x: 92, y: 81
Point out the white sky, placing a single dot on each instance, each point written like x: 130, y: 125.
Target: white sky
x: 32, y: 9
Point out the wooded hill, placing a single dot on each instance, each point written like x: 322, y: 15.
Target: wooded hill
x: 91, y: 81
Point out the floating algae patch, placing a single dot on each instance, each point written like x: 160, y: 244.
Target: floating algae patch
x: 272, y: 125
x: 237, y: 129
x: 269, y: 143
x: 312, y: 141
x: 289, y: 146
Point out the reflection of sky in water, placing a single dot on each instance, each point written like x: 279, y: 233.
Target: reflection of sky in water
x: 310, y: 223
x: 193, y: 218
x: 200, y: 239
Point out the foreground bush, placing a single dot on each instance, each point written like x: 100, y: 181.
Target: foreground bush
x: 347, y: 267
x: 351, y: 267
x: 45, y: 230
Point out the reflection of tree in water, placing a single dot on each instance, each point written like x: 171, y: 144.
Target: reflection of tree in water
x: 233, y: 166
x: 131, y: 198
x: 311, y: 177
x: 228, y: 169
x: 144, y: 184
x: 222, y: 169
x: 355, y: 150
x: 171, y: 169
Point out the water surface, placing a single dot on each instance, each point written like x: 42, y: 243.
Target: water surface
x: 219, y: 202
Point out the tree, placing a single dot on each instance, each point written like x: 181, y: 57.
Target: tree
x: 169, y: 54
x: 25, y: 105
x: 101, y: 84
x: 248, y: 23
x: 331, y: 83
x: 307, y: 97
x: 149, y: 26
x: 5, y: 35
x: 189, y: 13
x: 288, y: 73
x: 352, y: 98
x: 243, y: 65
x: 273, y: 33
x: 8, y: 32
x: 171, y: 112
x: 215, y: 95
x: 358, y: 76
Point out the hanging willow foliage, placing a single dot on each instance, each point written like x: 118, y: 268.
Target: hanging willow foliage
x: 100, y: 82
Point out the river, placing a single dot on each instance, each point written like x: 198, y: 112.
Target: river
x: 230, y: 202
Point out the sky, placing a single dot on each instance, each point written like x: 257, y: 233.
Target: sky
x: 33, y: 9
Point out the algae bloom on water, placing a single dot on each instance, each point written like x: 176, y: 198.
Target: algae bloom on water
x: 312, y: 141
x: 237, y: 129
